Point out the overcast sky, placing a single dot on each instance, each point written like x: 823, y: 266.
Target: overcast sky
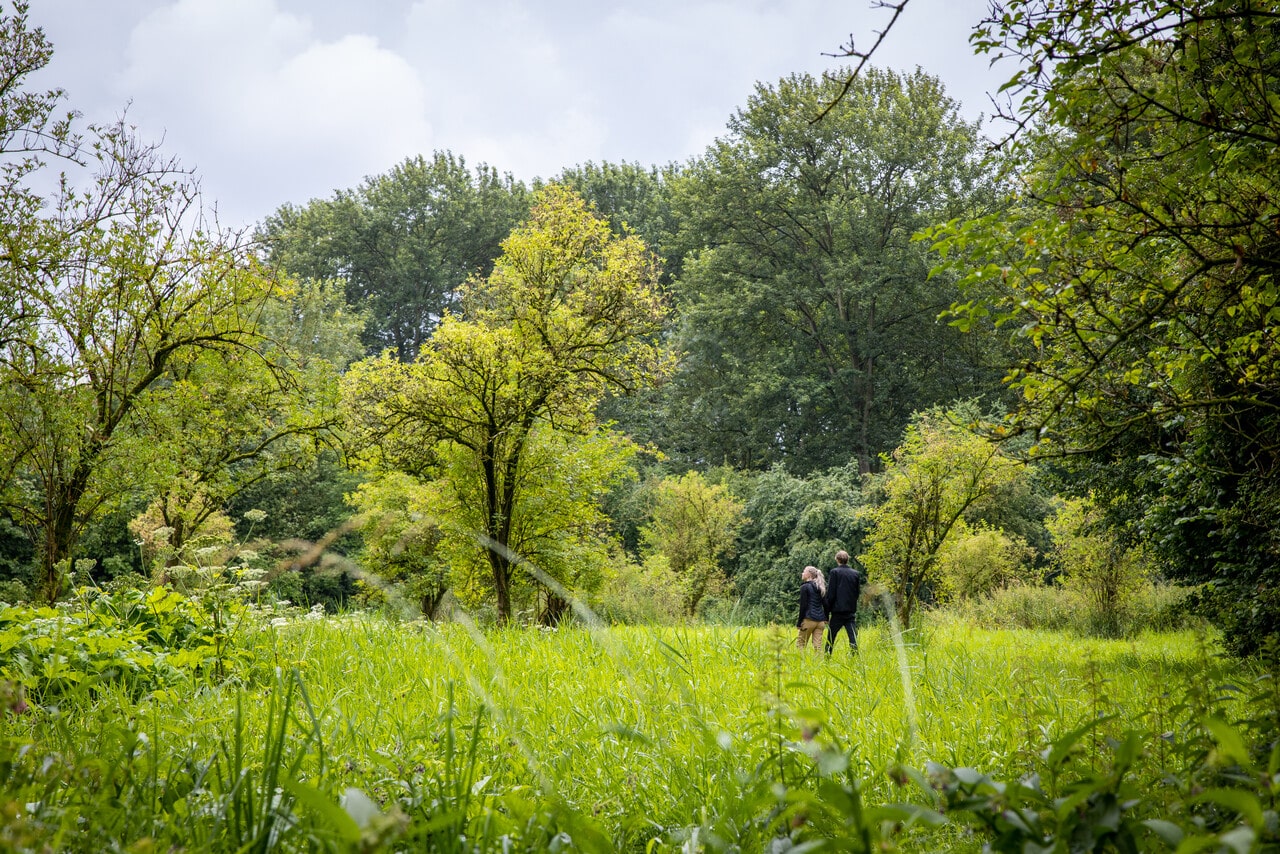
x: 275, y: 101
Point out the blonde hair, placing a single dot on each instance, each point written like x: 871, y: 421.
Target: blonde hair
x: 812, y: 573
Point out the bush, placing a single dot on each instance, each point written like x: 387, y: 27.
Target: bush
x: 976, y: 561
x: 792, y: 523
x: 636, y: 595
x: 1097, y: 564
x: 12, y: 592
x: 1153, y: 607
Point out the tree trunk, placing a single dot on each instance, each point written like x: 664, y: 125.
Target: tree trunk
x: 553, y: 611
x: 501, y: 584
x: 430, y: 603
x: 60, y: 537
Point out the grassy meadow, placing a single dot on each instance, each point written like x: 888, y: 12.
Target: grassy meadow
x: 366, y: 733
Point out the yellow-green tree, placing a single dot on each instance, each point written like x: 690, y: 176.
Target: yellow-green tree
x: 401, y: 537
x: 222, y: 423
x: 571, y: 311
x: 694, y: 529
x: 978, y: 560
x: 138, y: 354
x: 1094, y: 560
x: 119, y: 282
x: 941, y: 471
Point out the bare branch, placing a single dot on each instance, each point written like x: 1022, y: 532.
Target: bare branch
x: 849, y: 51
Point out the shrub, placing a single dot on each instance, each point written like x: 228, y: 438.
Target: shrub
x: 1154, y: 607
x: 1092, y: 560
x: 638, y: 594
x: 976, y: 561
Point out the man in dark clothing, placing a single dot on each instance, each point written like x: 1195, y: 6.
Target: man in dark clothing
x: 844, y: 586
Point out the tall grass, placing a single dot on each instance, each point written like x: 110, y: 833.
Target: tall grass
x: 1154, y: 608
x: 449, y: 738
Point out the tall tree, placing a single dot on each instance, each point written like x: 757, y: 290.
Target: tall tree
x: 123, y: 280
x: 635, y: 200
x: 808, y: 315
x: 568, y: 313
x: 30, y: 133
x: 403, y: 242
x: 939, y: 473
x: 1137, y: 270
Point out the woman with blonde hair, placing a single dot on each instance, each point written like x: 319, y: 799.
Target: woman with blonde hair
x: 813, y: 614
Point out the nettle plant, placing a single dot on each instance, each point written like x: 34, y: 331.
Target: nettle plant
x: 227, y: 579
x: 187, y: 625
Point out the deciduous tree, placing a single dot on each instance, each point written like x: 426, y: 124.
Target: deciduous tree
x: 125, y: 280
x: 941, y: 471
x: 569, y: 312
x: 809, y: 321
x: 1095, y: 560
x: 1136, y: 267
x: 403, y: 242
x: 221, y: 423
x: 694, y: 529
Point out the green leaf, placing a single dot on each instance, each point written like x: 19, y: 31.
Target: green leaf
x: 329, y: 811
x: 1166, y: 830
x: 1242, y: 802
x: 1231, y: 748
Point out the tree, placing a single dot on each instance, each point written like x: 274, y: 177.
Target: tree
x: 29, y: 133
x: 1094, y: 560
x: 401, y: 538
x: 809, y: 321
x: 693, y: 530
x: 940, y: 472
x: 635, y: 200
x: 120, y: 282
x: 403, y: 242
x: 135, y: 315
x: 568, y: 313
x: 221, y: 423
x: 1135, y: 268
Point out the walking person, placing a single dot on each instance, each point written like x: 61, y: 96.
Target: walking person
x: 844, y: 586
x: 813, y: 610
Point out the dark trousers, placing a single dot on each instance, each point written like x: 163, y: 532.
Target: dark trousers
x: 846, y: 620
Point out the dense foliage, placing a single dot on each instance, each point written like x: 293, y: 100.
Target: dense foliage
x: 402, y: 243
x: 1135, y: 267
x: 809, y: 329
x: 499, y: 408
x: 757, y: 329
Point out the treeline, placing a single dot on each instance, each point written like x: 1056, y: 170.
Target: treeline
x: 664, y: 390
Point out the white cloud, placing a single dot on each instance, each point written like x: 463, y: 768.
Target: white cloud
x: 267, y: 111
x: 537, y: 87
x: 503, y: 85
x: 284, y: 100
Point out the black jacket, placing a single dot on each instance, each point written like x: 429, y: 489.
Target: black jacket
x: 844, y: 586
x: 811, y: 606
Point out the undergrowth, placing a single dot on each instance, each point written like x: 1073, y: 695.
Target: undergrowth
x: 363, y: 734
